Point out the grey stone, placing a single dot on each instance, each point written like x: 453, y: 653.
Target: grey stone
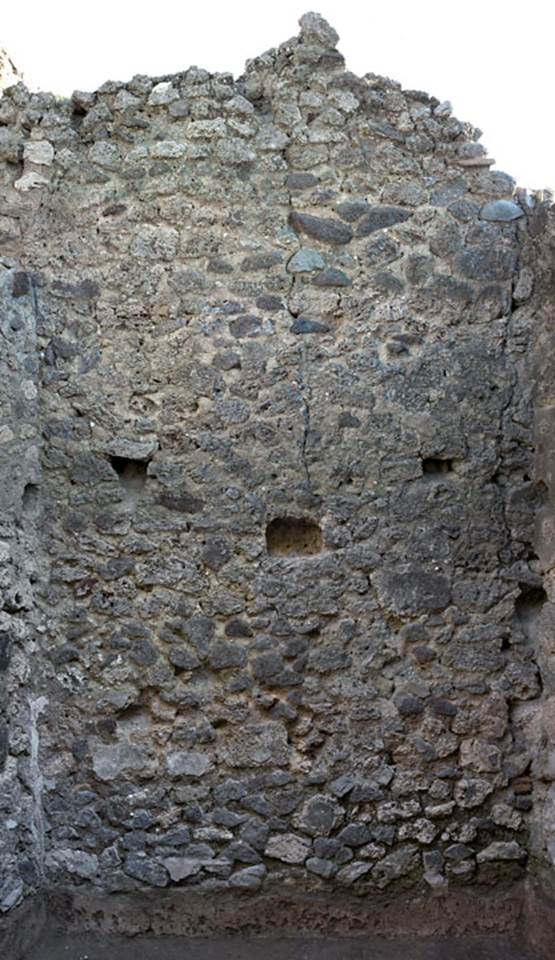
x: 110, y: 761
x: 353, y: 871
x: 305, y: 261
x: 379, y: 217
x: 77, y: 862
x: 332, y: 278
x: 180, y: 868
x: 399, y: 863
x: 288, y: 847
x: 321, y: 228
x: 322, y: 868
x: 413, y: 590
x: 354, y: 835
x: 146, y: 870
x: 501, y: 210
x: 184, y: 763
x: 249, y: 878
x: 305, y: 325
x: 501, y: 850
x: 318, y: 816
x: 314, y: 29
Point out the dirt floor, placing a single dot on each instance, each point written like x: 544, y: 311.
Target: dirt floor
x: 95, y: 947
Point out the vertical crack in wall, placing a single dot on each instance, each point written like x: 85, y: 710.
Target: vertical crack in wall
x: 38, y: 830
x: 305, y: 400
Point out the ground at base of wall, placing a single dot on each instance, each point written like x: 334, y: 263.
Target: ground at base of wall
x: 516, y: 922
x: 97, y: 947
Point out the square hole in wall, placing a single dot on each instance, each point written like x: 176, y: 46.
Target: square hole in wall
x: 132, y: 477
x: 437, y: 466
x: 293, y: 536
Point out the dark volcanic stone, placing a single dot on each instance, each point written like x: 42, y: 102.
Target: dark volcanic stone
x: 323, y: 229
x: 380, y: 217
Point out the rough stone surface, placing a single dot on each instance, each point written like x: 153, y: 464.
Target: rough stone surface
x: 276, y: 564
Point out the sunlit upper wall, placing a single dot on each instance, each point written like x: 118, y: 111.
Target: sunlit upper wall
x: 490, y: 59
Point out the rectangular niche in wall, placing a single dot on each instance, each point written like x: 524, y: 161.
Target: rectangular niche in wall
x: 293, y: 536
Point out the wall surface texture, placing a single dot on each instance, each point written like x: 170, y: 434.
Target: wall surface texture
x: 272, y: 613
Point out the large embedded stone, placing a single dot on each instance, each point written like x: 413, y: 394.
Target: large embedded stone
x: 185, y: 763
x: 380, y: 217
x: 319, y: 816
x: 146, y: 870
x: 412, y: 590
x: 321, y: 228
x: 112, y: 760
x: 288, y: 847
x: 501, y: 210
x: 305, y: 261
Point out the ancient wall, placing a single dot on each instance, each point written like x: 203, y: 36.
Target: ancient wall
x: 278, y: 621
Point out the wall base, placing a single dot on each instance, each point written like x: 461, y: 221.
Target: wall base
x: 21, y: 928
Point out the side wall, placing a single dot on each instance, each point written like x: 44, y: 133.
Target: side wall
x: 287, y: 499
x: 21, y: 819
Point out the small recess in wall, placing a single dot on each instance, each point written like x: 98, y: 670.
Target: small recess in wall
x: 132, y: 477
x: 436, y: 466
x: 293, y: 536
x: 30, y: 500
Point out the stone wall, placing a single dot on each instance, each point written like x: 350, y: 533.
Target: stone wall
x: 276, y: 586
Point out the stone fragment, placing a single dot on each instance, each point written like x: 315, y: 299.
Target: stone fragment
x: 353, y: 872
x: 413, y: 590
x: 146, y: 870
x: 458, y: 851
x: 223, y: 656
x: 261, y: 261
x: 234, y: 151
x: 306, y: 325
x: 332, y: 278
x: 128, y: 449
x: 354, y: 835
x: 300, y: 181
x: 125, y: 100
x: 471, y: 792
x: 10, y: 145
x: 314, y: 29
x: 77, y: 862
x: 305, y: 261
x: 352, y: 210
x: 502, y: 850
x: 501, y: 210
x: 322, y: 868
x: 154, y: 243
x: 162, y: 93
x: 249, y: 878
x: 11, y: 893
x: 380, y: 217
x: 179, y: 868
x: 40, y: 152
x: 343, y: 785
x: 167, y: 150
x: 270, y: 138
x: 319, y: 816
x: 321, y: 228
x: 399, y: 863
x: 524, y: 285
x: 105, y: 154
x: 185, y: 763
x: 110, y: 761
x: 288, y: 847
x: 30, y: 180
